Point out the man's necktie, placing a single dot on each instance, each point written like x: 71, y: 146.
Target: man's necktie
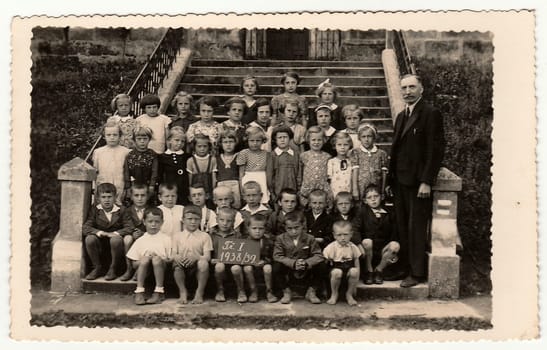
x: 405, y: 118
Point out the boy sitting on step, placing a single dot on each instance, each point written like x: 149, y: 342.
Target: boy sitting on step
x: 151, y: 251
x: 297, y: 257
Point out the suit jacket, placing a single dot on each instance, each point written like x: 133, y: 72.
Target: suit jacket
x: 417, y: 151
x: 276, y: 223
x: 286, y: 253
x: 320, y: 227
x: 131, y: 212
x: 97, y: 221
x: 381, y: 230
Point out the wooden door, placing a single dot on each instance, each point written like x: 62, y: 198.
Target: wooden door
x: 287, y: 44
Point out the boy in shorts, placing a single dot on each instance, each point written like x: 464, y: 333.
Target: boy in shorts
x: 297, y: 257
x: 151, y: 251
x: 343, y: 258
x: 191, y: 254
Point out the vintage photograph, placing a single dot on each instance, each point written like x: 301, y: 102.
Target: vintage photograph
x: 272, y: 178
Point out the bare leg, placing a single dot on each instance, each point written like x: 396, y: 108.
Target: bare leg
x: 159, y: 270
x: 142, y: 270
x: 203, y: 274
x: 367, y: 244
x: 389, y: 255
x: 353, y: 277
x: 237, y: 271
x: 335, y: 280
x: 129, y: 272
x: 220, y: 269
x: 180, y: 278
x: 250, y: 276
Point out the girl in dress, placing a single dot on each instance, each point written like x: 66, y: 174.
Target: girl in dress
x: 158, y: 123
x: 182, y: 102
x: 291, y: 111
x: 290, y: 82
x: 206, y: 125
x: 228, y: 172
x: 141, y: 164
x: 352, y: 117
x: 172, y: 164
x: 109, y: 160
x: 370, y: 159
x: 202, y: 167
x: 312, y: 166
x: 263, y: 119
x: 342, y: 173
x: 285, y: 161
x: 121, y: 105
x: 255, y: 164
x: 236, y: 108
x: 249, y: 86
x: 327, y: 94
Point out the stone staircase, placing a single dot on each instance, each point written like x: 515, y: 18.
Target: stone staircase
x: 360, y: 82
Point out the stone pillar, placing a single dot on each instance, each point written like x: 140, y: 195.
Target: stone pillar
x: 444, y: 264
x: 76, y: 178
x: 392, y: 75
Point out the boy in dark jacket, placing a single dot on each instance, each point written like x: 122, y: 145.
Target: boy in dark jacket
x: 318, y: 221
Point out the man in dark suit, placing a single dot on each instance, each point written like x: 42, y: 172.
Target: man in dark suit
x: 416, y: 155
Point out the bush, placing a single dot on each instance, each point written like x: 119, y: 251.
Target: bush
x: 463, y: 93
x: 69, y: 101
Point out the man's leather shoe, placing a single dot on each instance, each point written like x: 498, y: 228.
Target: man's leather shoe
x: 409, y: 281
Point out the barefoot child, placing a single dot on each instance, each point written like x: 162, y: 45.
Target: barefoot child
x: 286, y: 162
x: 380, y: 243
x: 104, y: 229
x: 297, y: 258
x: 135, y: 213
x: 343, y: 258
x: 227, y: 169
x: 158, y: 123
x: 141, y: 163
x: 182, y: 102
x: 225, y: 229
x: 346, y: 210
x: 172, y: 212
x: 191, y: 254
x: 172, y: 164
x: 151, y: 251
x: 257, y: 228
x: 109, y: 160
x: 121, y: 105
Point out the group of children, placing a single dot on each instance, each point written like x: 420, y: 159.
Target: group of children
x: 306, y: 186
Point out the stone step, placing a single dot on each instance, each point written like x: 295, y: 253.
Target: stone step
x: 363, y: 101
x: 382, y: 114
x: 325, y: 71
x: 115, y: 286
x: 355, y: 90
x: 391, y: 289
x: 283, y: 63
x: 268, y: 79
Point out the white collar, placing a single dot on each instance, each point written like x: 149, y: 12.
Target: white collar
x: 379, y: 210
x: 279, y: 151
x: 330, y: 131
x: 255, y: 124
x: 179, y: 152
x: 350, y: 132
x: 115, y: 208
x: 231, y: 123
x: 373, y: 150
x: 412, y: 106
x: 260, y: 207
x: 202, y: 158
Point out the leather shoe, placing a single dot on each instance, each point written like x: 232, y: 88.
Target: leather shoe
x: 409, y: 281
x: 378, y: 277
x: 94, y: 274
x: 156, y: 298
x: 369, y: 278
x: 110, y: 275
x: 139, y: 299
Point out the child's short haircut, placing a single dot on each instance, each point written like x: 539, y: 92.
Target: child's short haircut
x: 150, y: 100
x: 142, y: 131
x: 106, y: 187
x: 258, y: 218
x: 288, y: 191
x: 228, y: 134
x: 290, y: 74
x: 114, y: 103
x: 182, y: 95
x: 318, y: 193
x: 350, y: 108
x: 235, y: 100
x: 314, y: 130
x: 153, y: 211
x: 256, y: 131
x: 201, y: 137
x: 208, y: 100
x: 139, y: 186
x: 372, y: 188
x: 295, y: 216
x: 340, y: 224
x: 342, y: 135
x: 326, y: 85
x: 112, y: 124
x: 263, y: 102
x: 197, y: 185
x: 252, y: 185
x: 344, y: 195
x: 222, y: 189
x: 191, y: 209
x: 227, y: 211
x: 167, y: 187
x: 281, y: 129
x: 290, y: 102
x: 367, y: 126
x: 176, y: 131
x: 248, y: 77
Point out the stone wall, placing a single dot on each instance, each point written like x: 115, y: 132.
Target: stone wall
x: 96, y: 43
x: 475, y: 47
x: 216, y: 43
